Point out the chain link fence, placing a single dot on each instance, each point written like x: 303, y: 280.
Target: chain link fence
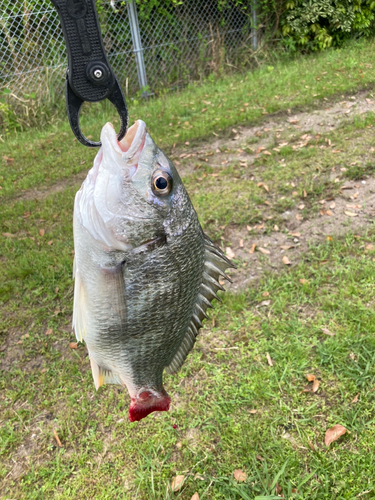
x: 161, y: 48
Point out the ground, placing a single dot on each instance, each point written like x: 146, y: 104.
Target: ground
x: 289, y: 194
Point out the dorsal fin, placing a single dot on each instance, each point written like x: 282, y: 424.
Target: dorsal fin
x: 215, y: 265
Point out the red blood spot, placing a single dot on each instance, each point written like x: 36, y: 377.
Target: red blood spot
x: 146, y: 403
x: 174, y: 426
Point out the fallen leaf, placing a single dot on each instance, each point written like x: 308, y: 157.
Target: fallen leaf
x: 179, y: 445
x: 239, y: 475
x: 253, y: 247
x: 301, y: 207
x: 253, y: 411
x: 286, y: 260
x: 9, y: 235
x: 329, y: 238
x: 296, y: 235
x: 304, y: 281
x: 328, y: 332
x: 26, y: 336
x: 355, y: 398
x: 350, y: 214
x: 329, y: 213
x: 269, y: 360
x: 50, y: 242
x: 264, y: 303
x: 229, y: 253
x: 310, y: 377
x: 260, y: 149
x: 57, y: 438
x: 41, y: 232
x: 299, y: 217
x: 258, y: 457
x: 261, y: 184
x: 73, y: 345
x: 278, y: 489
x: 315, y: 386
x: 265, y: 294
x: 332, y: 205
x: 264, y: 251
x: 195, y: 496
x: 334, y: 433
x: 276, y: 227
x: 370, y: 247
x: 177, y: 483
x: 241, y: 243
x: 304, y: 193
x: 286, y: 247
x: 49, y: 331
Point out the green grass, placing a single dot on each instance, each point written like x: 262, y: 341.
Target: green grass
x: 210, y: 430
x: 41, y: 158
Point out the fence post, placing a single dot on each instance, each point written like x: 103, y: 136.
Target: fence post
x: 254, y: 31
x: 137, y: 45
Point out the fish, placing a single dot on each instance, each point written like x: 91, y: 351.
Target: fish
x: 144, y: 271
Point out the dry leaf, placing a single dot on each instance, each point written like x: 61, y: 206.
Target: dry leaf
x: 350, y: 214
x: 195, y: 496
x: 329, y: 238
x: 276, y: 227
x: 41, y: 232
x: 370, y: 247
x: 286, y: 247
x: 261, y: 184
x: 332, y: 205
x: 253, y: 247
x: 73, y: 345
x: 265, y: 294
x: 177, y: 483
x: 241, y: 243
x: 299, y: 217
x: 269, y: 360
x: 355, y: 398
x: 301, y: 207
x: 303, y: 281
x: 57, y: 438
x: 310, y: 377
x: 296, y: 235
x: 229, y: 253
x: 334, y: 433
x: 286, y: 260
x: 239, y: 475
x: 50, y: 242
x: 278, y: 489
x: 315, y: 386
x: 329, y: 213
x: 264, y: 250
x: 49, y: 331
x: 9, y: 235
x: 328, y: 332
x: 253, y: 411
x: 304, y: 193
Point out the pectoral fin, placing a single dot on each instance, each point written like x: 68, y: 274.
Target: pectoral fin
x: 79, y: 324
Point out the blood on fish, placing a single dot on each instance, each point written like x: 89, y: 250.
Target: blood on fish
x: 146, y: 403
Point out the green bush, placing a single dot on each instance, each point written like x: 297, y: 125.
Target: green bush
x: 319, y: 24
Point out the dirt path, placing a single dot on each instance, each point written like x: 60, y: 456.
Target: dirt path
x: 318, y: 121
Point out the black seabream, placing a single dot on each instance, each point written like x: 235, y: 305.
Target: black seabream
x: 145, y: 273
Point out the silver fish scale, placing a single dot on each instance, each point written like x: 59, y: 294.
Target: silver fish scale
x: 161, y: 289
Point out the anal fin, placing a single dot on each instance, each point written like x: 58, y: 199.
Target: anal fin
x: 102, y: 376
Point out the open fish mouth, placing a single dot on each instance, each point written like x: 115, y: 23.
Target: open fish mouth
x: 130, y: 147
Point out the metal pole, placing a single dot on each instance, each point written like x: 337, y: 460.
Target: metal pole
x: 254, y: 32
x: 137, y: 45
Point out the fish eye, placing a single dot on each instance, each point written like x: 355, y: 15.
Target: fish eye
x: 162, y: 183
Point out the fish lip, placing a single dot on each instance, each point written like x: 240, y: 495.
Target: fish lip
x: 130, y: 146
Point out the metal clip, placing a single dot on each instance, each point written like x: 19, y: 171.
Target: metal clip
x: 89, y: 75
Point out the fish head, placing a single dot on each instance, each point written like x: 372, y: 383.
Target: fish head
x: 133, y: 193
